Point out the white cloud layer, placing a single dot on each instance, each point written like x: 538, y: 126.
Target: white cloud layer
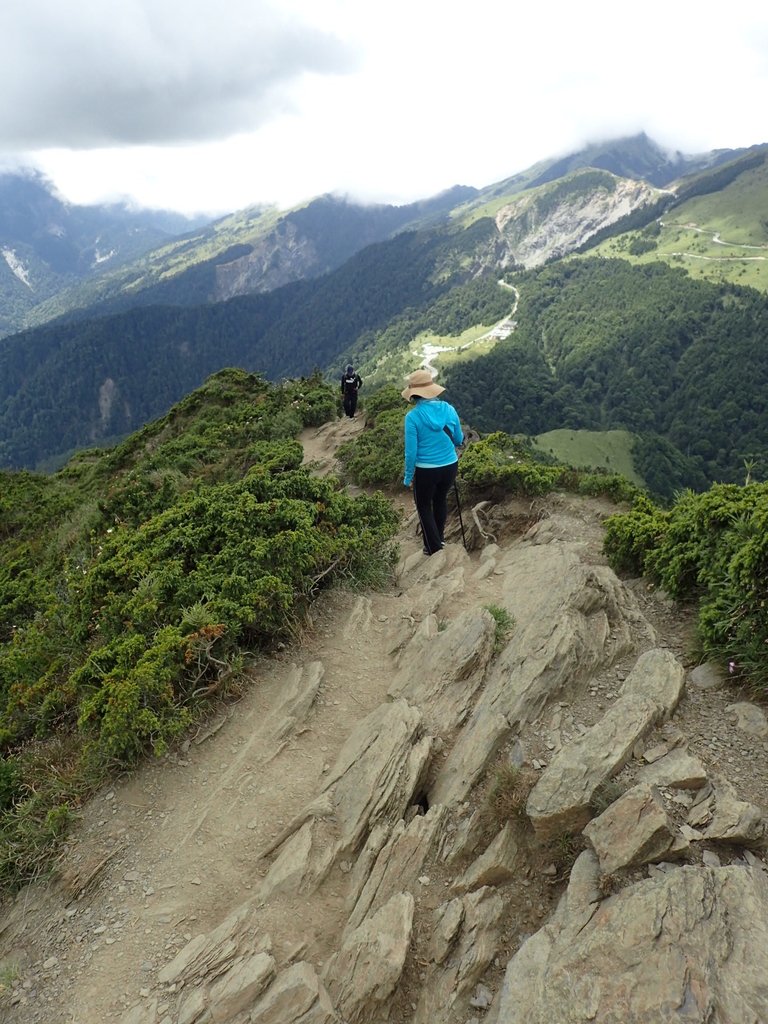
x: 190, y: 105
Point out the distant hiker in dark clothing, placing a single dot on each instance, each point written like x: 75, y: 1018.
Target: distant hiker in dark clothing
x: 432, y: 432
x: 351, y: 383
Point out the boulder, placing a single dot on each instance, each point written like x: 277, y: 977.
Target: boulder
x: 750, y: 718
x: 677, y: 770
x: 708, y: 676
x: 561, y: 801
x: 680, y: 946
x: 735, y: 820
x: 635, y: 829
x: 365, y: 971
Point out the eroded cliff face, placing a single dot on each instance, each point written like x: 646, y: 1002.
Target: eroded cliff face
x: 536, y: 233
x: 415, y: 818
x: 282, y: 256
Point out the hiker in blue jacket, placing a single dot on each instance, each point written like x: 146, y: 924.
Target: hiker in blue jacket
x: 432, y: 432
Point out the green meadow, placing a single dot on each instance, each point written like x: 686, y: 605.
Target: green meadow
x: 608, y: 449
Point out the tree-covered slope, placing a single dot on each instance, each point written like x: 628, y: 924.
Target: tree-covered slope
x: 73, y: 384
x: 47, y: 245
x: 602, y: 344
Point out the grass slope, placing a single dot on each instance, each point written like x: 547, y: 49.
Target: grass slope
x: 608, y: 449
x: 721, y: 236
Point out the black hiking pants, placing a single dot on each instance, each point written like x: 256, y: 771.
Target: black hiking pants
x: 350, y: 403
x: 430, y: 492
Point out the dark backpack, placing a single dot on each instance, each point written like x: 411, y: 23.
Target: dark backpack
x: 350, y: 383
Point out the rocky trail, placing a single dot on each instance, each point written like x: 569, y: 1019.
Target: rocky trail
x: 409, y: 817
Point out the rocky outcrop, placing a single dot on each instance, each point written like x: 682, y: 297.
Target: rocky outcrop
x: 571, y: 619
x: 675, y: 947
x: 364, y: 973
x: 561, y: 801
x: 441, y: 672
x: 536, y: 232
x: 466, y: 938
x: 376, y: 775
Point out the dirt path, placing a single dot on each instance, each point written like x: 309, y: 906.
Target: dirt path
x: 177, y: 845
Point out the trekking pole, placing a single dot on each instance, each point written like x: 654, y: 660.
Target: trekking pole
x: 458, y: 509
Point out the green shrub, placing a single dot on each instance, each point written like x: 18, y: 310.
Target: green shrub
x: 505, y: 623
x: 711, y: 547
x: 132, y: 585
x: 375, y: 458
x: 631, y: 536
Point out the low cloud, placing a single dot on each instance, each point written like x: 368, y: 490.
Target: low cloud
x: 93, y: 74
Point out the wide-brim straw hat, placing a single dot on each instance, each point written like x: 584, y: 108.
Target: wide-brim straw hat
x: 420, y: 383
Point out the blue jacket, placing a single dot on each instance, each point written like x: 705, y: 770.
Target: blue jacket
x: 426, y: 443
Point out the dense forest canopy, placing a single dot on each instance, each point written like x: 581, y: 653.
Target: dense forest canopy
x: 602, y: 344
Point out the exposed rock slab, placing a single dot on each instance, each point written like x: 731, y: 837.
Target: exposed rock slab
x: 375, y: 777
x: 398, y: 865
x: 297, y: 697
x: 561, y: 800
x: 635, y: 829
x: 500, y: 863
x: 571, y: 620
x: 296, y: 996
x: 209, y: 955
x: 364, y: 973
x: 442, y: 673
x: 469, y: 931
x: 676, y: 947
x: 239, y: 988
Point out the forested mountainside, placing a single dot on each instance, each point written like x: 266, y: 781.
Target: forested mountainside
x: 71, y: 385
x: 604, y: 344
x: 48, y: 245
x: 249, y: 252
x: 261, y: 248
x: 89, y: 381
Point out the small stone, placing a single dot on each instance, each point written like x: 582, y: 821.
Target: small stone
x: 710, y: 858
x: 424, y: 880
x: 550, y: 870
x: 50, y: 963
x: 482, y: 998
x: 131, y: 876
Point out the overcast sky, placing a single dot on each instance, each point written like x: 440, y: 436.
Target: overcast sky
x: 209, y: 106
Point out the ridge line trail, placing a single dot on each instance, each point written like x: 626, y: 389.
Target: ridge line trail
x: 177, y: 843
